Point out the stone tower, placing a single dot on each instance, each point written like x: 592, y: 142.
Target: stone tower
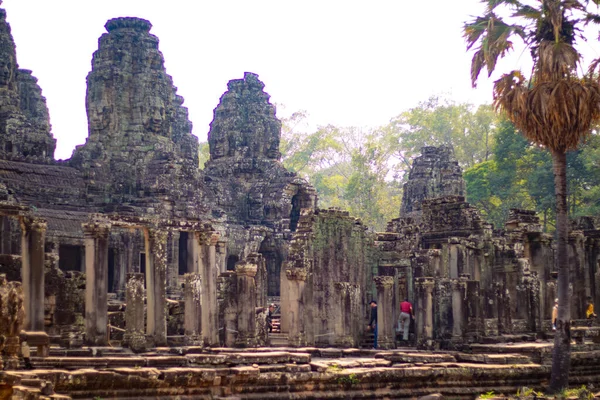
x: 140, y: 143
x: 24, y: 121
x: 434, y: 174
x: 244, y: 123
x: 244, y: 175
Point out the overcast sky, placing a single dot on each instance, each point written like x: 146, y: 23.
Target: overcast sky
x: 347, y: 63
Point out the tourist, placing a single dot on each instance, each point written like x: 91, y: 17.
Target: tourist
x: 589, y: 312
x: 406, y: 313
x: 373, y: 322
x: 270, y: 317
x: 554, y: 314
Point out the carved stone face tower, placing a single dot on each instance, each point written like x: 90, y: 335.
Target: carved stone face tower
x: 434, y: 174
x: 140, y: 141
x: 24, y: 121
x: 244, y: 123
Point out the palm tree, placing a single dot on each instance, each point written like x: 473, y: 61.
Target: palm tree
x: 553, y: 107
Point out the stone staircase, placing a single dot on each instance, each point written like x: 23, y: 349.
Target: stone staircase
x: 278, y: 339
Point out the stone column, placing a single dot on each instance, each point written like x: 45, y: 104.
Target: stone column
x: 222, y: 255
x: 246, y: 294
x: 504, y: 312
x: 209, y: 273
x: 458, y: 307
x: 453, y: 249
x: 156, y: 282
x: 424, y: 310
x: 11, y: 321
x: 134, y: 336
x: 228, y: 307
x: 96, y: 282
x: 475, y: 322
x: 385, y: 317
x: 296, y: 281
x: 193, y: 252
x: 532, y: 285
x: 33, y: 237
x: 192, y: 294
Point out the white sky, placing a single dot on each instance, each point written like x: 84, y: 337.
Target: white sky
x: 348, y: 63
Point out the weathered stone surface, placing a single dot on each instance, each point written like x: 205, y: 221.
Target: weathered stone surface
x: 140, y: 149
x: 247, y: 180
x: 435, y: 173
x: 24, y: 121
x: 12, y: 315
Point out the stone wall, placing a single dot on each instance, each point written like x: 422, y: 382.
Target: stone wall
x: 327, y: 273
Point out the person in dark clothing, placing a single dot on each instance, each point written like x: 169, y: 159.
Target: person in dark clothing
x: 270, y: 318
x: 373, y: 322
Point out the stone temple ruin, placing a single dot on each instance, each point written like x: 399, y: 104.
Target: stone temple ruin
x: 132, y: 272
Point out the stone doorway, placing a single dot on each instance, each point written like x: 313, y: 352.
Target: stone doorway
x: 273, y: 261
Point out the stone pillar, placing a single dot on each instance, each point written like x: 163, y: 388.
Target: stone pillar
x: 156, y: 282
x: 192, y: 295
x: 424, y: 310
x: 454, y: 268
x: 208, y: 273
x: 33, y: 238
x: 193, y: 252
x: 222, y: 255
x: 134, y: 336
x: 385, y: 321
x: 246, y: 294
x: 532, y: 287
x: 504, y: 312
x: 11, y: 321
x: 228, y: 308
x: 459, y: 287
x: 475, y: 322
x: 296, y: 281
x: 96, y: 282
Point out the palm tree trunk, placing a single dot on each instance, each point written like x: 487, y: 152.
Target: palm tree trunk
x: 561, y: 356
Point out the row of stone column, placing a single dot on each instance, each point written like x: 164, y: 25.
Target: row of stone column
x: 96, y: 315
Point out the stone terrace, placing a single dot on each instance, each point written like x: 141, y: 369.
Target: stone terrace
x: 298, y: 373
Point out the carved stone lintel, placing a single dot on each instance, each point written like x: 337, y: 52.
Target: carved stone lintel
x: 96, y: 229
x: 384, y: 281
x: 214, y: 238
x: 296, y: 274
x: 246, y: 269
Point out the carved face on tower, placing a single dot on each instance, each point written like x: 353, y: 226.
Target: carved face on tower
x: 273, y: 147
x: 154, y: 114
x: 220, y: 146
x: 100, y: 115
x: 6, y: 70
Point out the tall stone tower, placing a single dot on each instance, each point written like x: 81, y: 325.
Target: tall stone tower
x: 24, y: 121
x: 244, y: 124
x: 434, y: 174
x: 244, y: 175
x: 140, y: 143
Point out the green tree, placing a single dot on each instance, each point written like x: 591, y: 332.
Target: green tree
x: 440, y: 121
x: 349, y: 168
x: 553, y: 107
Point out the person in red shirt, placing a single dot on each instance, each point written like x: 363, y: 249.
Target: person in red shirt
x: 406, y: 313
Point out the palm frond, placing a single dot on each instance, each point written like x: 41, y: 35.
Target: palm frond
x: 591, y: 74
x: 492, y: 35
x: 556, y: 61
x: 492, y: 4
x: 528, y: 12
x: 591, y: 18
x: 556, y: 114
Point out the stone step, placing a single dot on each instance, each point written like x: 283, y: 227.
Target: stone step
x: 494, y: 358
